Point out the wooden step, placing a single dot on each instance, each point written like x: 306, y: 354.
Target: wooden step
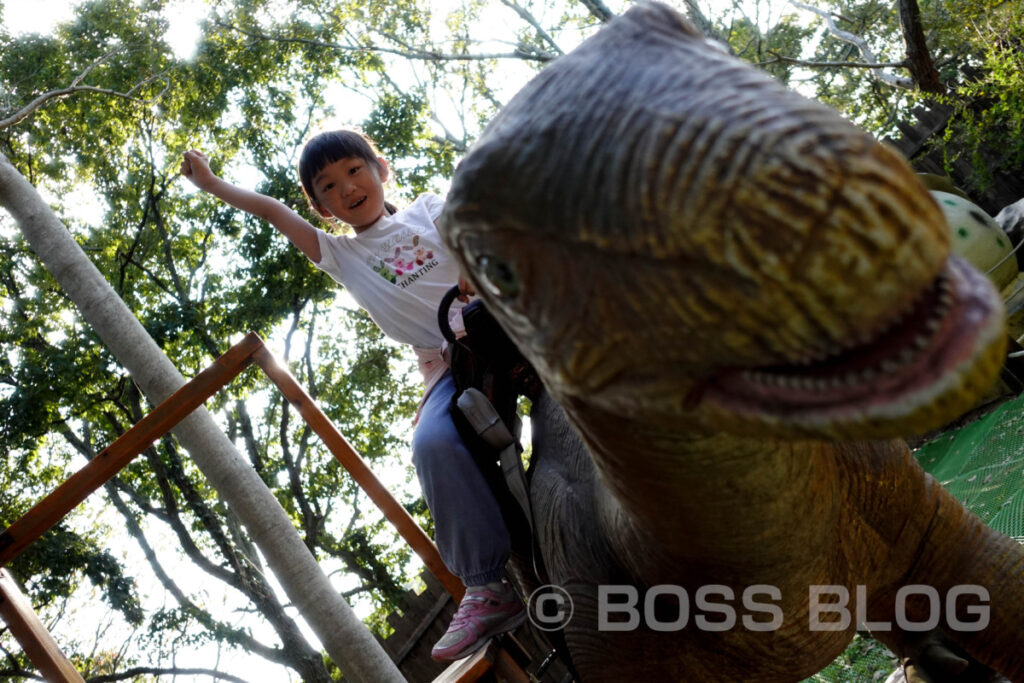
x: 491, y: 659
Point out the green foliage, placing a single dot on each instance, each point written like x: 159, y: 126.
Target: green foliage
x: 761, y: 47
x: 198, y: 275
x: 865, y: 660
x: 265, y: 75
x: 58, y: 560
x: 988, y: 124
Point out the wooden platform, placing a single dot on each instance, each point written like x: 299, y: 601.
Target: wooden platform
x: 493, y: 659
x: 424, y: 617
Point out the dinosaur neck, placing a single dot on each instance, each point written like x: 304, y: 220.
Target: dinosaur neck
x: 727, y: 507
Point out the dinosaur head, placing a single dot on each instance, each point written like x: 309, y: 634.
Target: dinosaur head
x: 670, y: 235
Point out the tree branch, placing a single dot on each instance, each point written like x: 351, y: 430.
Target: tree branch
x: 249, y: 437
x: 293, y: 465
x: 599, y: 9
x: 157, y: 671
x: 830, y: 65
x: 207, y: 620
x: 861, y: 44
x: 61, y: 93
x: 526, y: 16
x: 318, y: 514
x: 703, y: 24
x: 409, y: 52
x: 296, y: 652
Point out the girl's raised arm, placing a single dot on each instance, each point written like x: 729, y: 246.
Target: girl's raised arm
x: 196, y: 167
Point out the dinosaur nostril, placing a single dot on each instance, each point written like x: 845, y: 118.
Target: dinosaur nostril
x: 498, y: 277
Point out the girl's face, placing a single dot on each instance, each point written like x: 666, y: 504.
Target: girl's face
x: 351, y: 190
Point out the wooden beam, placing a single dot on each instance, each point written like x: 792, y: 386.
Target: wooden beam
x: 49, y: 511
x: 360, y: 471
x: 492, y: 658
x: 31, y: 633
x: 472, y: 667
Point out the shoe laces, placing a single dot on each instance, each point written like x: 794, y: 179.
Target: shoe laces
x: 470, y: 606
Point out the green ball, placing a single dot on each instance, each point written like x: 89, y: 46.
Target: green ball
x: 978, y: 238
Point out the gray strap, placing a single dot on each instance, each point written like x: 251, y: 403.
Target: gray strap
x: 485, y: 421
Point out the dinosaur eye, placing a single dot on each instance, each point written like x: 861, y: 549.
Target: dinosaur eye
x: 498, y: 277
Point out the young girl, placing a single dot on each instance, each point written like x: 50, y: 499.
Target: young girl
x: 397, y: 268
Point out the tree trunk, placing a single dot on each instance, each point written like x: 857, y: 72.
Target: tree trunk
x: 919, y: 57
x: 348, y: 642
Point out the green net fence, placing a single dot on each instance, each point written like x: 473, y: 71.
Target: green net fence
x: 982, y: 465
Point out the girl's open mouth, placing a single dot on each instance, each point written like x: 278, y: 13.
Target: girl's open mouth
x: 357, y: 203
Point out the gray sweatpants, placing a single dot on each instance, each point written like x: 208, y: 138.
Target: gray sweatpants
x: 468, y: 527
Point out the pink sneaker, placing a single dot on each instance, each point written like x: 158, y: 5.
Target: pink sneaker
x: 482, y: 614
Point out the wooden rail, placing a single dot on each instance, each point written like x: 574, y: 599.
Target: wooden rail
x: 54, y: 507
x: 35, y: 640
x: 360, y: 471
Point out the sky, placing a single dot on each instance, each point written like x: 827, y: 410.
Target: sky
x: 41, y: 16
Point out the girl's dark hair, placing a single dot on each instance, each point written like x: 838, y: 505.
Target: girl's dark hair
x: 330, y: 146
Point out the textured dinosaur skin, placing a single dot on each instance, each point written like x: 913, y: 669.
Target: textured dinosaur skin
x: 741, y: 302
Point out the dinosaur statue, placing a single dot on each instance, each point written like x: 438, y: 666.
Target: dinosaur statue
x: 741, y: 302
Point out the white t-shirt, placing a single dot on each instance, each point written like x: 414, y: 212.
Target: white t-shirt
x: 398, y: 270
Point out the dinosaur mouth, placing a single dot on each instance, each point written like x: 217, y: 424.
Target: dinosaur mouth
x: 906, y: 365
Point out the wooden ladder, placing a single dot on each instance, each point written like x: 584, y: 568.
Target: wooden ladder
x: 28, y: 629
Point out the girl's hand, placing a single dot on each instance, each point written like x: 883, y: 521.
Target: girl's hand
x: 196, y: 167
x: 465, y: 290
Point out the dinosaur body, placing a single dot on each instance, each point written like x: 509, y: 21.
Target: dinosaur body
x: 739, y: 301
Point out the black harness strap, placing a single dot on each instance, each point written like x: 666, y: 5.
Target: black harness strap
x: 490, y: 374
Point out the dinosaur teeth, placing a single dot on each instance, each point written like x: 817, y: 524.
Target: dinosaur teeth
x: 946, y: 297
x: 875, y: 356
x: 755, y: 377
x: 861, y: 366
x: 945, y: 283
x: 889, y: 365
